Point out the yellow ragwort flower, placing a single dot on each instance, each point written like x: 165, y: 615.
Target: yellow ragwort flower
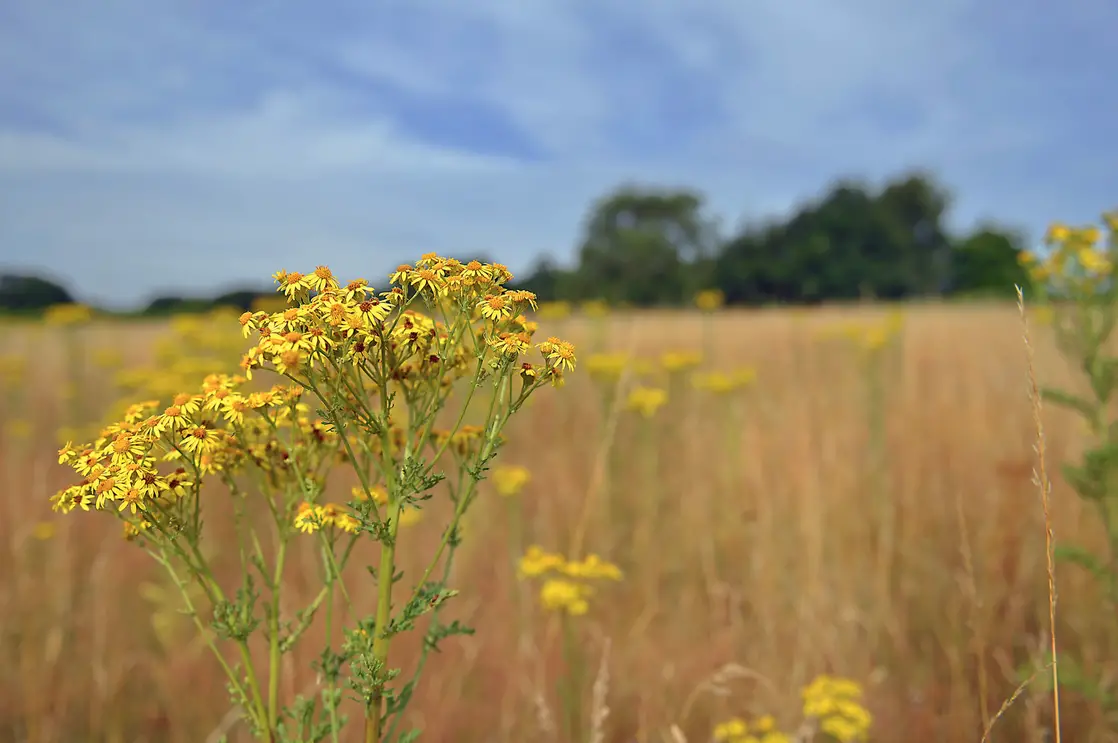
x: 647, y: 400
x: 510, y: 479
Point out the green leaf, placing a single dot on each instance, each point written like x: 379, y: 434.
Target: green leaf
x: 1103, y: 374
x: 1077, y: 555
x: 1083, y: 481
x: 1068, y: 400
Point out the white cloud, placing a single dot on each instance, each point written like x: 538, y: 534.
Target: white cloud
x: 142, y: 156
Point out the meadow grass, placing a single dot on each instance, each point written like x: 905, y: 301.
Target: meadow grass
x: 875, y: 520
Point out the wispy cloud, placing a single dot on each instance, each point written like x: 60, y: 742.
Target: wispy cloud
x: 147, y: 149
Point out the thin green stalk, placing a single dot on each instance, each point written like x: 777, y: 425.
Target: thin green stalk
x: 385, y: 572
x: 259, y: 714
x: 331, y: 681
x: 274, y: 637
x: 571, y: 684
x: 488, y: 448
x: 426, y: 651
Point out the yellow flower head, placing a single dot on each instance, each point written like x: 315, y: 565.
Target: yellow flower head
x: 594, y: 308
x: 678, y: 361
x: 1057, y: 234
x: 558, y: 594
x: 555, y: 310
x: 837, y: 704
x: 607, y: 367
x: 67, y: 314
x: 510, y: 479
x: 709, y: 300
x: 647, y: 400
x: 731, y: 731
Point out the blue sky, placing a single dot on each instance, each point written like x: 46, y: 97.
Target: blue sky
x: 196, y: 145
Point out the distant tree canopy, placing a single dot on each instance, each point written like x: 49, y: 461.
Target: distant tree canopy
x: 644, y: 246
x: 30, y: 293
x: 655, y: 247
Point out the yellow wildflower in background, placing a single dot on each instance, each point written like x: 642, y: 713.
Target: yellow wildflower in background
x: 310, y: 518
x: 67, y: 314
x: 554, y: 310
x: 836, y: 704
x: 18, y: 429
x: 679, y: 361
x: 594, y: 308
x: 536, y: 562
x: 568, y: 583
x: 558, y: 594
x: 737, y: 730
x: 44, y: 531
x: 647, y: 400
x: 709, y: 300
x: 13, y: 369
x: 1078, y: 259
x: 721, y: 383
x: 607, y: 367
x: 409, y: 516
x: 510, y: 479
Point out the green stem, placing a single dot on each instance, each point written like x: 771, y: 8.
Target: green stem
x: 571, y: 683
x: 385, y: 572
x: 331, y: 681
x: 274, y: 638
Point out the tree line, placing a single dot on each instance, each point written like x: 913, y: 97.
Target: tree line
x: 645, y: 246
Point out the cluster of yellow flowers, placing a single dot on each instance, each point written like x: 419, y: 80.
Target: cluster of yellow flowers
x: 567, y: 583
x: 737, y: 730
x: 326, y: 330
x: 554, y: 310
x: 310, y: 518
x: 1079, y: 258
x: 13, y: 370
x: 836, y: 705
x: 868, y: 336
x: 409, y: 515
x: 594, y: 308
x: 193, y: 347
x: 646, y: 400
x: 674, y: 362
x: 709, y: 300
x: 67, y: 314
x: 196, y: 432
x: 510, y: 479
x: 608, y: 368
x: 722, y: 383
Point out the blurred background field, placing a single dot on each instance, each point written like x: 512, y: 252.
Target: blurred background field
x: 853, y: 498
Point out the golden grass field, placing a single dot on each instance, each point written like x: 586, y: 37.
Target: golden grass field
x: 764, y: 540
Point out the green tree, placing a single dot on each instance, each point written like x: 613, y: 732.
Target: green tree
x: 645, y: 246
x: 851, y: 243
x: 20, y: 293
x: 987, y: 262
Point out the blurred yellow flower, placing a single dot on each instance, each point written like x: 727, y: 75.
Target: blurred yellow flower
x: 567, y: 582
x: 44, y: 530
x: 607, y: 366
x: 18, y: 429
x: 709, y: 300
x: 1057, y: 233
x: 678, y: 361
x: 647, y: 400
x: 554, y: 310
x: 837, y: 704
x: 67, y: 314
x: 510, y: 479
x: 594, y: 308
x: 558, y: 594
